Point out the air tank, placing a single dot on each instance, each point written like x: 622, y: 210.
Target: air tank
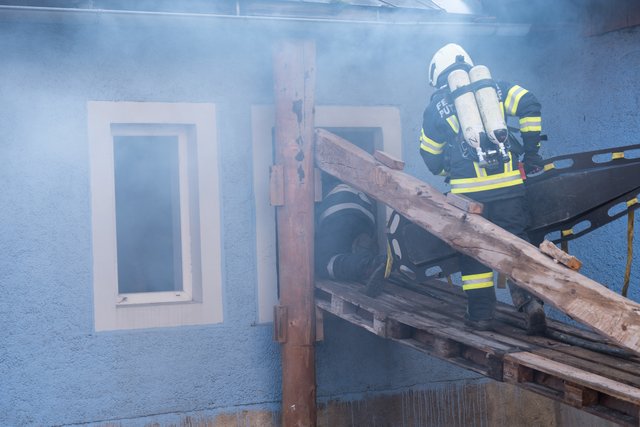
x: 489, y: 106
x: 467, y: 111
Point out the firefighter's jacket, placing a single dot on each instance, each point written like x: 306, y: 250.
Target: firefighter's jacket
x: 445, y: 153
x: 341, y: 218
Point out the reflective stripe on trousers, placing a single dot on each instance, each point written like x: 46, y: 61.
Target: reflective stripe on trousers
x: 477, y: 281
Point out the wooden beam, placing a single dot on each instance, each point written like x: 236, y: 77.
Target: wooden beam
x: 548, y: 248
x: 569, y: 373
x: 578, y: 296
x: 388, y: 160
x: 294, y: 76
x: 465, y: 203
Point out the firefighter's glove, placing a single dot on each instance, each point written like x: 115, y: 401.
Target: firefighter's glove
x: 533, y: 163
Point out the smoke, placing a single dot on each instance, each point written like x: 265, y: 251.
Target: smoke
x: 53, y: 64
x: 541, y: 13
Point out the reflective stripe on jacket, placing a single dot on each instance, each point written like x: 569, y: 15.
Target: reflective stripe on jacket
x: 441, y: 148
x: 343, y: 200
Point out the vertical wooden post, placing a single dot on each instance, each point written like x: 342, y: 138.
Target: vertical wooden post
x: 294, y: 76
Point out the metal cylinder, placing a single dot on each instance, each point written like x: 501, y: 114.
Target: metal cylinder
x: 489, y: 106
x: 466, y: 108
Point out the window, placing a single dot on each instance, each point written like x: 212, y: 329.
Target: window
x: 155, y: 213
x: 372, y: 128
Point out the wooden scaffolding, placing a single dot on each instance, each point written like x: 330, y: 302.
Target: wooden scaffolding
x: 428, y: 317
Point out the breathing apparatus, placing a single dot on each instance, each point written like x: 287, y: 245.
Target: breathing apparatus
x: 475, y: 98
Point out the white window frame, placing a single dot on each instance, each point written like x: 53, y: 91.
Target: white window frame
x: 385, y: 118
x: 182, y: 134
x: 200, y: 300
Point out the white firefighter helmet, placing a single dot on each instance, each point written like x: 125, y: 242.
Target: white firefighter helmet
x: 445, y: 60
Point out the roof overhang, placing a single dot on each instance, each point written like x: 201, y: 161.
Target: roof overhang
x: 426, y: 16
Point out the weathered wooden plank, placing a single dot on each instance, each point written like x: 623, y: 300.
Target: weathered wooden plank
x: 493, y: 362
x: 506, y: 313
x: 548, y: 248
x: 399, y: 301
x: 632, y: 379
x: 598, y: 354
x: 351, y: 293
x: 449, y: 302
x: 451, y: 309
x: 622, y: 365
x: 456, y: 330
x: 471, y: 352
x: 428, y: 348
x: 616, y: 410
x: 380, y: 325
x: 416, y: 316
x: 340, y: 306
x: 515, y: 373
x: 390, y: 328
x: 425, y: 327
x: 294, y: 85
x: 351, y: 318
x: 280, y: 324
x: 582, y: 396
x: 576, y: 375
x: 465, y: 203
x: 388, y: 160
x: 578, y: 395
x: 442, y: 347
x: 578, y: 296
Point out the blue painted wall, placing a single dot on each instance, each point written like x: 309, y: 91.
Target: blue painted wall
x: 590, y: 93
x: 55, y: 369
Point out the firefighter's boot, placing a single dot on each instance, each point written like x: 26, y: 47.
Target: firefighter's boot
x: 375, y: 276
x: 481, y: 307
x: 534, y: 317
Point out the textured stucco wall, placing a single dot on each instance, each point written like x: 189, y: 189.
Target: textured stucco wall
x: 590, y: 96
x: 55, y: 369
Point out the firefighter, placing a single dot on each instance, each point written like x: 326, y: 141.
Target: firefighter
x: 483, y: 165
x: 345, y: 242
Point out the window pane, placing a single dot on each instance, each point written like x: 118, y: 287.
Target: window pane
x: 147, y: 214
